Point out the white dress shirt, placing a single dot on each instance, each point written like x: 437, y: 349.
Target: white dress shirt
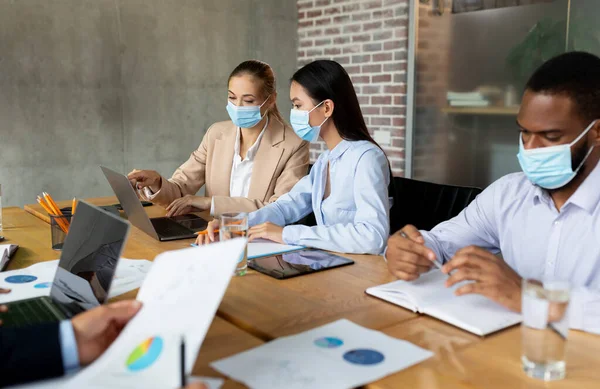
x: 355, y: 216
x: 519, y: 219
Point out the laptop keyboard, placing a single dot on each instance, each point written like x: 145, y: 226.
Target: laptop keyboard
x: 169, y: 228
x: 28, y: 312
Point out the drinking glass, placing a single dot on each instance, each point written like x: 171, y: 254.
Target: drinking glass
x: 544, y: 329
x: 235, y: 225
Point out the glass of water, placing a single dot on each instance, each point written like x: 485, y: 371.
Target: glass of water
x: 544, y: 329
x: 235, y: 225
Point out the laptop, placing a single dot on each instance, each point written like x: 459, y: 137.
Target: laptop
x: 160, y: 228
x: 87, y: 265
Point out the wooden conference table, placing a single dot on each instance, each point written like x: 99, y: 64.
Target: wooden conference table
x: 257, y: 308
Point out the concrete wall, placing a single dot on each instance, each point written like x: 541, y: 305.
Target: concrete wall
x: 125, y: 83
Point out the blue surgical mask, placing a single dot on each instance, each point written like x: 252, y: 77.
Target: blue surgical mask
x: 550, y: 167
x: 300, y: 121
x: 245, y: 117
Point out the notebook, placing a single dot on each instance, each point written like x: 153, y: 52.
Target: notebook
x: 6, y: 253
x: 264, y: 248
x: 429, y: 295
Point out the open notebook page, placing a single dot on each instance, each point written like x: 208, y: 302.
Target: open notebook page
x: 414, y: 295
x: 474, y: 313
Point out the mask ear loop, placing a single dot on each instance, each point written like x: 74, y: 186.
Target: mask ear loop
x: 315, y: 107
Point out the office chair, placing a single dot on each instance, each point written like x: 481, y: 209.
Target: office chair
x: 425, y: 204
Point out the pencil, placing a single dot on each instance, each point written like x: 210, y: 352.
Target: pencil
x: 205, y: 232
x: 51, y: 213
x: 57, y: 211
x: 73, y: 206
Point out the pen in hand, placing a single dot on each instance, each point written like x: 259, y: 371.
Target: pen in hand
x: 435, y: 262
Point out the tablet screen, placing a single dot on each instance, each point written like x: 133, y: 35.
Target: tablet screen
x: 297, y: 263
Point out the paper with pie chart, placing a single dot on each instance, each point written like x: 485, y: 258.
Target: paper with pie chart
x: 335, y: 356
x: 147, y: 354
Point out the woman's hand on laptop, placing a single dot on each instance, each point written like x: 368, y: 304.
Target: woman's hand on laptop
x: 187, y: 204
x: 145, y: 178
x: 209, y: 235
x: 96, y: 329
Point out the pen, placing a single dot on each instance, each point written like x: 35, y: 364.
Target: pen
x: 183, y: 375
x: 435, y: 262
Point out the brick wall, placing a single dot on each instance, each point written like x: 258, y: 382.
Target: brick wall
x: 370, y: 39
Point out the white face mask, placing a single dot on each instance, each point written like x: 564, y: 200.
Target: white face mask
x: 551, y: 167
x: 245, y: 117
x: 300, y: 121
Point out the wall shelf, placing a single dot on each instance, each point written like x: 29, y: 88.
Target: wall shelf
x: 507, y: 111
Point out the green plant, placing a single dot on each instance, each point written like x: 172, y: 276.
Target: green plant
x: 547, y: 39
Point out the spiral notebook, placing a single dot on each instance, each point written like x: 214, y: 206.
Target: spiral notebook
x: 6, y: 253
x: 428, y: 295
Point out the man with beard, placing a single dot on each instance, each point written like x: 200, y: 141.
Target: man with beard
x: 545, y: 221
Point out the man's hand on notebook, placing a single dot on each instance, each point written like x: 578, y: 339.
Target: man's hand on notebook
x: 4, y: 291
x: 407, y: 256
x: 492, y: 277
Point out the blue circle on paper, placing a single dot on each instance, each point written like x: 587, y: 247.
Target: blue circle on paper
x: 329, y: 342
x: 20, y: 279
x: 43, y: 285
x: 364, y: 357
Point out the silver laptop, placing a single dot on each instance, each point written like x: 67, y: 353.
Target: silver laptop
x: 85, y: 272
x: 160, y: 228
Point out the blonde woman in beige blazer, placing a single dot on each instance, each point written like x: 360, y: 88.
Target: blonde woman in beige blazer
x: 244, y: 164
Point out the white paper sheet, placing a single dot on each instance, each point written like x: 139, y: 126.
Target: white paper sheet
x: 129, y: 276
x: 181, y: 294
x: 263, y: 248
x: 325, y: 357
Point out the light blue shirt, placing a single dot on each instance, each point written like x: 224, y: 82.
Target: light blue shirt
x: 355, y: 216
x: 68, y: 347
x: 519, y: 219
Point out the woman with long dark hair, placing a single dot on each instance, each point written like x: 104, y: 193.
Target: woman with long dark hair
x: 347, y: 188
x: 244, y: 163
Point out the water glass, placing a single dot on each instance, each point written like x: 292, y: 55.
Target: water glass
x: 235, y: 225
x: 59, y: 227
x: 544, y: 329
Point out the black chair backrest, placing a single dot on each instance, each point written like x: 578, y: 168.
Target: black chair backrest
x: 425, y: 204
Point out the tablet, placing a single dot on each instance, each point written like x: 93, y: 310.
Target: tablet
x: 297, y: 263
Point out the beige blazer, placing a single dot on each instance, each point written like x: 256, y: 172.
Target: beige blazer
x: 280, y: 162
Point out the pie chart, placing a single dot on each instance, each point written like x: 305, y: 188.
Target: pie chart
x: 145, y: 354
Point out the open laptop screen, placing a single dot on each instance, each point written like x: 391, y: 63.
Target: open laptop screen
x: 89, y: 259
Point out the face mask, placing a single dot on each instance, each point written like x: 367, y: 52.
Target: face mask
x: 300, y: 121
x: 245, y: 117
x: 550, y: 167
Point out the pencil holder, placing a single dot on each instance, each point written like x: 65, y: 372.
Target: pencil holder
x: 59, y: 228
